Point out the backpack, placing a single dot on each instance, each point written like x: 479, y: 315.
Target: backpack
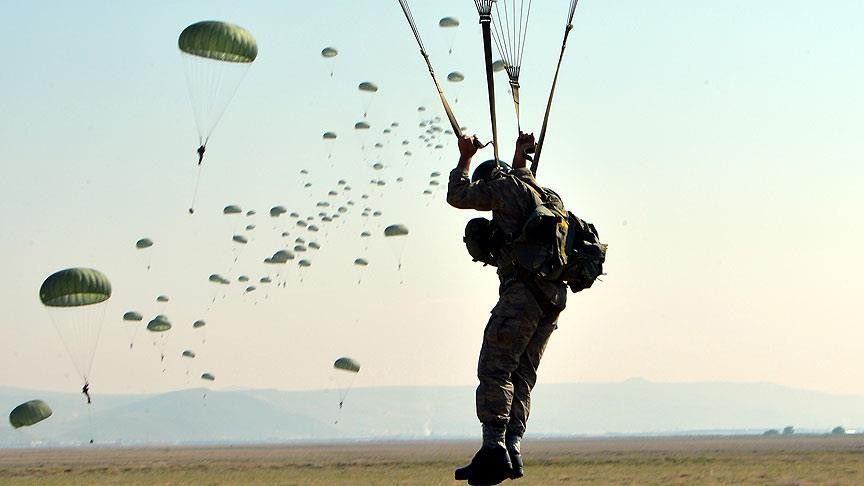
x: 482, y: 241
x: 557, y: 245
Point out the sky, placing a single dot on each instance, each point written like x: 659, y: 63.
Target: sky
x: 716, y: 146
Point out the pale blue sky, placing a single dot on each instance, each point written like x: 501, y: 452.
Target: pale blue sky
x: 717, y: 146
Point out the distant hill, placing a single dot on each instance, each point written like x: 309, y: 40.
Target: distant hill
x: 632, y: 407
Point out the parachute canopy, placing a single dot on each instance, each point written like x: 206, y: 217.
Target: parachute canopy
x: 329, y: 52
x: 219, y: 41
x: 329, y: 135
x: 162, y: 298
x: 143, y: 243
x: 133, y: 316
x: 347, y: 364
x: 361, y: 126
x: 368, y: 87
x: 455, y: 77
x: 188, y: 353
x: 75, y: 287
x: 29, y: 413
x: 198, y: 323
x: 159, y: 323
x: 232, y: 209
x: 396, y: 230
x: 448, y: 22
x: 208, y: 377
x: 361, y: 262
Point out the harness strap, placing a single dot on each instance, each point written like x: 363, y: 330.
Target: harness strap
x: 542, y: 138
x: 485, y: 24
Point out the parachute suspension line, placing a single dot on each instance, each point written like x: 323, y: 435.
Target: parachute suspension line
x: 406, y: 9
x: 484, y: 8
x: 511, y: 30
x: 542, y: 138
x: 90, y: 420
x: 195, y: 191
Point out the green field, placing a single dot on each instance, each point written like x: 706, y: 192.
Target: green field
x: 724, y: 460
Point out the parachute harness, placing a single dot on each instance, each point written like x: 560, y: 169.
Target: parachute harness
x: 510, y: 33
x: 406, y: 9
x: 567, y: 29
x: 484, y: 9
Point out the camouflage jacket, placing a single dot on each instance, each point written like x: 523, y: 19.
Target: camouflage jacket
x: 511, y: 201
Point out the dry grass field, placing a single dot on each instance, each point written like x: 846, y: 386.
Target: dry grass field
x: 722, y: 460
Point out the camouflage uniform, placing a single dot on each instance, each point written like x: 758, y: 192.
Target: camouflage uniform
x: 527, y: 308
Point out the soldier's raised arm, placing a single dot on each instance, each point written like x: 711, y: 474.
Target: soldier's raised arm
x: 461, y: 192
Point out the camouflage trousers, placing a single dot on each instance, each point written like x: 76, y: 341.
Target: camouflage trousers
x: 513, y: 343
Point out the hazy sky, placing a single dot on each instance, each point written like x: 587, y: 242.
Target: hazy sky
x: 716, y: 145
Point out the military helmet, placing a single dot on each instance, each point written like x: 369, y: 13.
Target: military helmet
x: 490, y: 170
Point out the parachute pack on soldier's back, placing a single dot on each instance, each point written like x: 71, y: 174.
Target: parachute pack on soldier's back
x: 554, y: 243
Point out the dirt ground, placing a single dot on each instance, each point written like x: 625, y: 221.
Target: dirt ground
x: 722, y: 460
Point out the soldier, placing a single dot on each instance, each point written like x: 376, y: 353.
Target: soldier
x: 201, y: 151
x: 522, y: 320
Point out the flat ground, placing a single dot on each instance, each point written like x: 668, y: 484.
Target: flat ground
x: 722, y: 460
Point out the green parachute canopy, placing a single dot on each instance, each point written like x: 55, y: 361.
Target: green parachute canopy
x: 240, y: 239
x: 75, y: 287
x: 219, y: 279
x: 188, y: 353
x: 347, y: 364
x: 304, y: 263
x: 29, y: 413
x: 219, y: 41
x: 143, y: 243
x: 368, y: 87
x: 361, y: 262
x: 159, y: 323
x: 198, y: 323
x: 499, y: 65
x: 277, y: 211
x: 396, y: 230
x: 448, y: 22
x: 162, y: 298
x: 208, y: 377
x: 329, y: 52
x: 455, y: 77
x: 133, y: 316
x: 232, y: 209
x: 329, y: 136
x: 361, y: 126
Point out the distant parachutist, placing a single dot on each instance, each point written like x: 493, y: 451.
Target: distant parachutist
x: 201, y: 151
x: 86, y: 391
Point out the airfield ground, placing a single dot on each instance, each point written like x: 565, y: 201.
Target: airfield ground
x: 802, y: 460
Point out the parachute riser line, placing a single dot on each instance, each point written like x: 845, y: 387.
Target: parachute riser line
x: 536, y: 162
x: 486, y: 27
x: 457, y: 131
x: 450, y: 116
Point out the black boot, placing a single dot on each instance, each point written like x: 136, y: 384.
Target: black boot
x: 491, y: 464
x: 513, y: 443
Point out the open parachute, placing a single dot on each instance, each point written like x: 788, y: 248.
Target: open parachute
x: 347, y: 369
x: 216, y: 56
x: 72, y: 297
x: 29, y: 413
